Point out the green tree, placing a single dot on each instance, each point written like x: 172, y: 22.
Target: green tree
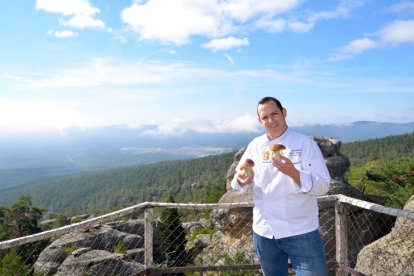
x: 22, y: 218
x: 3, y: 234
x: 11, y: 265
x: 393, y: 179
x: 173, y: 236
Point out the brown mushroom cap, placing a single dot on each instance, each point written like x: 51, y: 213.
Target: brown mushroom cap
x: 277, y: 147
x: 248, y: 163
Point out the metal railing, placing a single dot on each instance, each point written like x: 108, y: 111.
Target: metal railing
x: 155, y: 238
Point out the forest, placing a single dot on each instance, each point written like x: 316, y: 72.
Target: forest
x: 383, y: 166
x: 98, y: 192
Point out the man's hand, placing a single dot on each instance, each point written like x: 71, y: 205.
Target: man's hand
x: 243, y: 180
x: 286, y: 166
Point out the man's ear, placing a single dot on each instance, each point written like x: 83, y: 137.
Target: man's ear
x: 284, y: 112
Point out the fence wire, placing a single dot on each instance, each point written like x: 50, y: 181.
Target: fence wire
x: 209, y: 239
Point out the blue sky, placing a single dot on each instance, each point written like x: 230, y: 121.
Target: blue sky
x: 203, y: 64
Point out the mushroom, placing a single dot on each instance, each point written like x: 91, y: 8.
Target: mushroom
x: 246, y: 168
x: 276, y: 149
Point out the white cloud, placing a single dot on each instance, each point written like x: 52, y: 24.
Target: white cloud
x: 83, y: 21
x: 153, y: 19
x: 270, y: 24
x: 178, y: 126
x: 31, y: 115
x: 81, y: 12
x: 67, y: 7
x: 102, y: 72
x: 227, y: 43
x: 171, y: 21
x: 247, y: 122
x: 244, y: 10
x: 306, y: 22
x: 62, y: 34
x: 354, y: 48
x: 300, y: 27
x: 177, y: 21
x: 398, y: 32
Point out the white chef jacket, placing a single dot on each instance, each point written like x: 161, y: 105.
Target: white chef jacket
x: 282, y: 209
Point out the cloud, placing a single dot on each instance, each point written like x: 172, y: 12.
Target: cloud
x: 101, y: 72
x: 179, y: 126
x: 67, y: 7
x: 227, y: 43
x: 80, y: 12
x: 354, y: 48
x: 398, y: 32
x: 62, y: 34
x: 177, y: 21
x: 171, y: 21
x: 395, y: 33
x: 154, y: 19
x: 83, y: 21
x: 306, y: 21
x: 271, y: 25
x: 31, y: 115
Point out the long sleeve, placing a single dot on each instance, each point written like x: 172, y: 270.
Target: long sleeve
x: 314, y: 174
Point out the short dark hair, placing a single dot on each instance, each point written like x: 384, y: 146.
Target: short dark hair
x: 271, y: 99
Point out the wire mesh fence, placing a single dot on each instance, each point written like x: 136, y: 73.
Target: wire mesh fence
x: 360, y: 238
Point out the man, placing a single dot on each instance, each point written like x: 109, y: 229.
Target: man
x: 285, y: 190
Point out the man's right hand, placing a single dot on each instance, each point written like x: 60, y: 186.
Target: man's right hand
x: 245, y: 180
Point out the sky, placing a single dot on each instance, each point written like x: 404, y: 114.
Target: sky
x: 203, y: 65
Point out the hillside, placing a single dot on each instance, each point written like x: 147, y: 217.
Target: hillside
x: 42, y: 155
x: 383, y: 167
x: 196, y: 180
x: 387, y: 148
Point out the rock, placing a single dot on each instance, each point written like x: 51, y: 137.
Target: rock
x: 190, y: 227
x: 194, y: 248
x: 392, y: 254
x: 98, y: 262
x: 98, y: 244
x: 50, y: 260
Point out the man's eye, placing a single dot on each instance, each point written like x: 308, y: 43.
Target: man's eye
x: 264, y: 118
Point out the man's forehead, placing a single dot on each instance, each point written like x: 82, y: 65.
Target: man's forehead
x: 268, y: 107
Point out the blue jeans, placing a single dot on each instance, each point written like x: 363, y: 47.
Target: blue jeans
x: 306, y: 253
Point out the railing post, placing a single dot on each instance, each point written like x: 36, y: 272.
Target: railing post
x: 149, y: 234
x: 341, y: 238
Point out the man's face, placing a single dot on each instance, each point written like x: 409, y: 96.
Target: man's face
x: 272, y: 118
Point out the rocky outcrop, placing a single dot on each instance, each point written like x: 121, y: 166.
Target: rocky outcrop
x: 90, y: 252
x: 86, y: 261
x: 392, y: 254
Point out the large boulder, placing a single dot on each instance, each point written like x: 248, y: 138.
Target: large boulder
x: 85, y: 261
x: 97, y: 247
x: 392, y: 254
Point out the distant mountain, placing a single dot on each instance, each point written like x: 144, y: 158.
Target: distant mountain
x: 358, y: 131
x: 28, y: 158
